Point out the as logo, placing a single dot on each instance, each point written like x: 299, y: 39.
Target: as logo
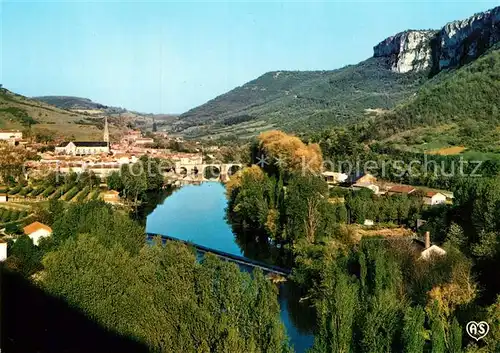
x: 477, y: 330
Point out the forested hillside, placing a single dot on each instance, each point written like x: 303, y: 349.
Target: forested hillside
x: 460, y: 107
x: 308, y: 101
x: 67, y: 102
x: 302, y: 100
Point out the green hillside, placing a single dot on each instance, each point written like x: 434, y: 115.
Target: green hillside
x: 68, y: 102
x: 456, y: 108
x: 37, y: 118
x: 81, y: 105
x: 301, y: 100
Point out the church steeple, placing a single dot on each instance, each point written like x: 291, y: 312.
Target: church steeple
x: 106, y: 130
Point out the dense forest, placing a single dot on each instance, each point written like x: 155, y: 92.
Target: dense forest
x: 376, y: 295
x: 305, y: 100
x: 460, y: 107
x: 158, y: 294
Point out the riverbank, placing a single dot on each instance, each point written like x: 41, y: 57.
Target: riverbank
x: 197, y: 214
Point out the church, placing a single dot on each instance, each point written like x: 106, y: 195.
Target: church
x: 84, y: 148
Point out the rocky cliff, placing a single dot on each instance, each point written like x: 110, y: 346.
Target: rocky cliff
x: 457, y: 43
x: 407, y: 51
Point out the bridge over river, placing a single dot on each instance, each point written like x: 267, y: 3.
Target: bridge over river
x: 207, y: 172
x: 240, y: 260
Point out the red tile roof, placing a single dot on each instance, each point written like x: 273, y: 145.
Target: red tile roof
x: 433, y: 193
x: 33, y: 227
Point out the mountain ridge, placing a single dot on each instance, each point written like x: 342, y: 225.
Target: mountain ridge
x: 322, y: 99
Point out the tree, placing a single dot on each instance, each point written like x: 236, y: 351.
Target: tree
x: 437, y: 336
x: 134, y: 182
x: 290, y: 152
x: 153, y: 170
x: 337, y: 311
x: 306, y: 198
x: 413, y: 330
x: 114, y: 181
x: 163, y: 297
x: 455, y: 337
x: 24, y: 256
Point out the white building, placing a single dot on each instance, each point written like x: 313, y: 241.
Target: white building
x: 334, y: 177
x: 429, y: 251
x: 4, y: 197
x: 432, y: 251
x: 434, y: 198
x: 36, y: 231
x: 82, y: 148
x: 7, y: 135
x: 144, y: 141
x: 3, y: 250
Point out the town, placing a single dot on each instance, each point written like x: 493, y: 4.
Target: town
x: 309, y: 177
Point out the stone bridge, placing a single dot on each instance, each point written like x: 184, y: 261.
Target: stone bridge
x: 205, y: 172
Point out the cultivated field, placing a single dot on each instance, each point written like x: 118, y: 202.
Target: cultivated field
x: 448, y: 151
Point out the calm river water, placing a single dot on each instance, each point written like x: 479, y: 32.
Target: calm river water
x: 196, y: 213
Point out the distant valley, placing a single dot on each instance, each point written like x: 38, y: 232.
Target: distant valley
x: 74, y: 118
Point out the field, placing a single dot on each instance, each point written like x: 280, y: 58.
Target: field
x: 242, y: 130
x: 73, y: 192
x: 448, y: 151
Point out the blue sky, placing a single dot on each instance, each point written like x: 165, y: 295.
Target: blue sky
x: 168, y: 57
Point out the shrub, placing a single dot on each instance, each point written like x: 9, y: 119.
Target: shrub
x: 15, y: 190
x: 6, y: 216
x: 71, y: 193
x: 47, y: 192
x: 83, y: 194
x: 25, y: 191
x: 14, y: 215
x: 37, y: 191
x: 95, y: 194
x: 57, y: 194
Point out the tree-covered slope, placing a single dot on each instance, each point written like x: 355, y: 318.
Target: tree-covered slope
x: 79, y: 104
x: 302, y: 100
x: 461, y: 107
x: 68, y: 102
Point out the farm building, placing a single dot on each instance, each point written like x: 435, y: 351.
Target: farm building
x: 36, y: 231
x: 401, y: 189
x: 334, y: 177
x: 434, y: 198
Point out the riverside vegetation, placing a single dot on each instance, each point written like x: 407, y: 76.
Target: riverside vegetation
x: 376, y: 295
x: 156, y: 294
x: 371, y: 295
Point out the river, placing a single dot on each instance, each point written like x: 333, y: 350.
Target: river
x: 196, y: 213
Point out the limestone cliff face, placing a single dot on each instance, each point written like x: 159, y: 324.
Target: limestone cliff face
x: 460, y: 42
x: 407, y: 51
x: 455, y: 44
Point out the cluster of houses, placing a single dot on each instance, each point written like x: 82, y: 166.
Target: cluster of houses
x: 425, y: 249
x: 368, y: 181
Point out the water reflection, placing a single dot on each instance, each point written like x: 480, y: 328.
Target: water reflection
x: 198, y: 214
